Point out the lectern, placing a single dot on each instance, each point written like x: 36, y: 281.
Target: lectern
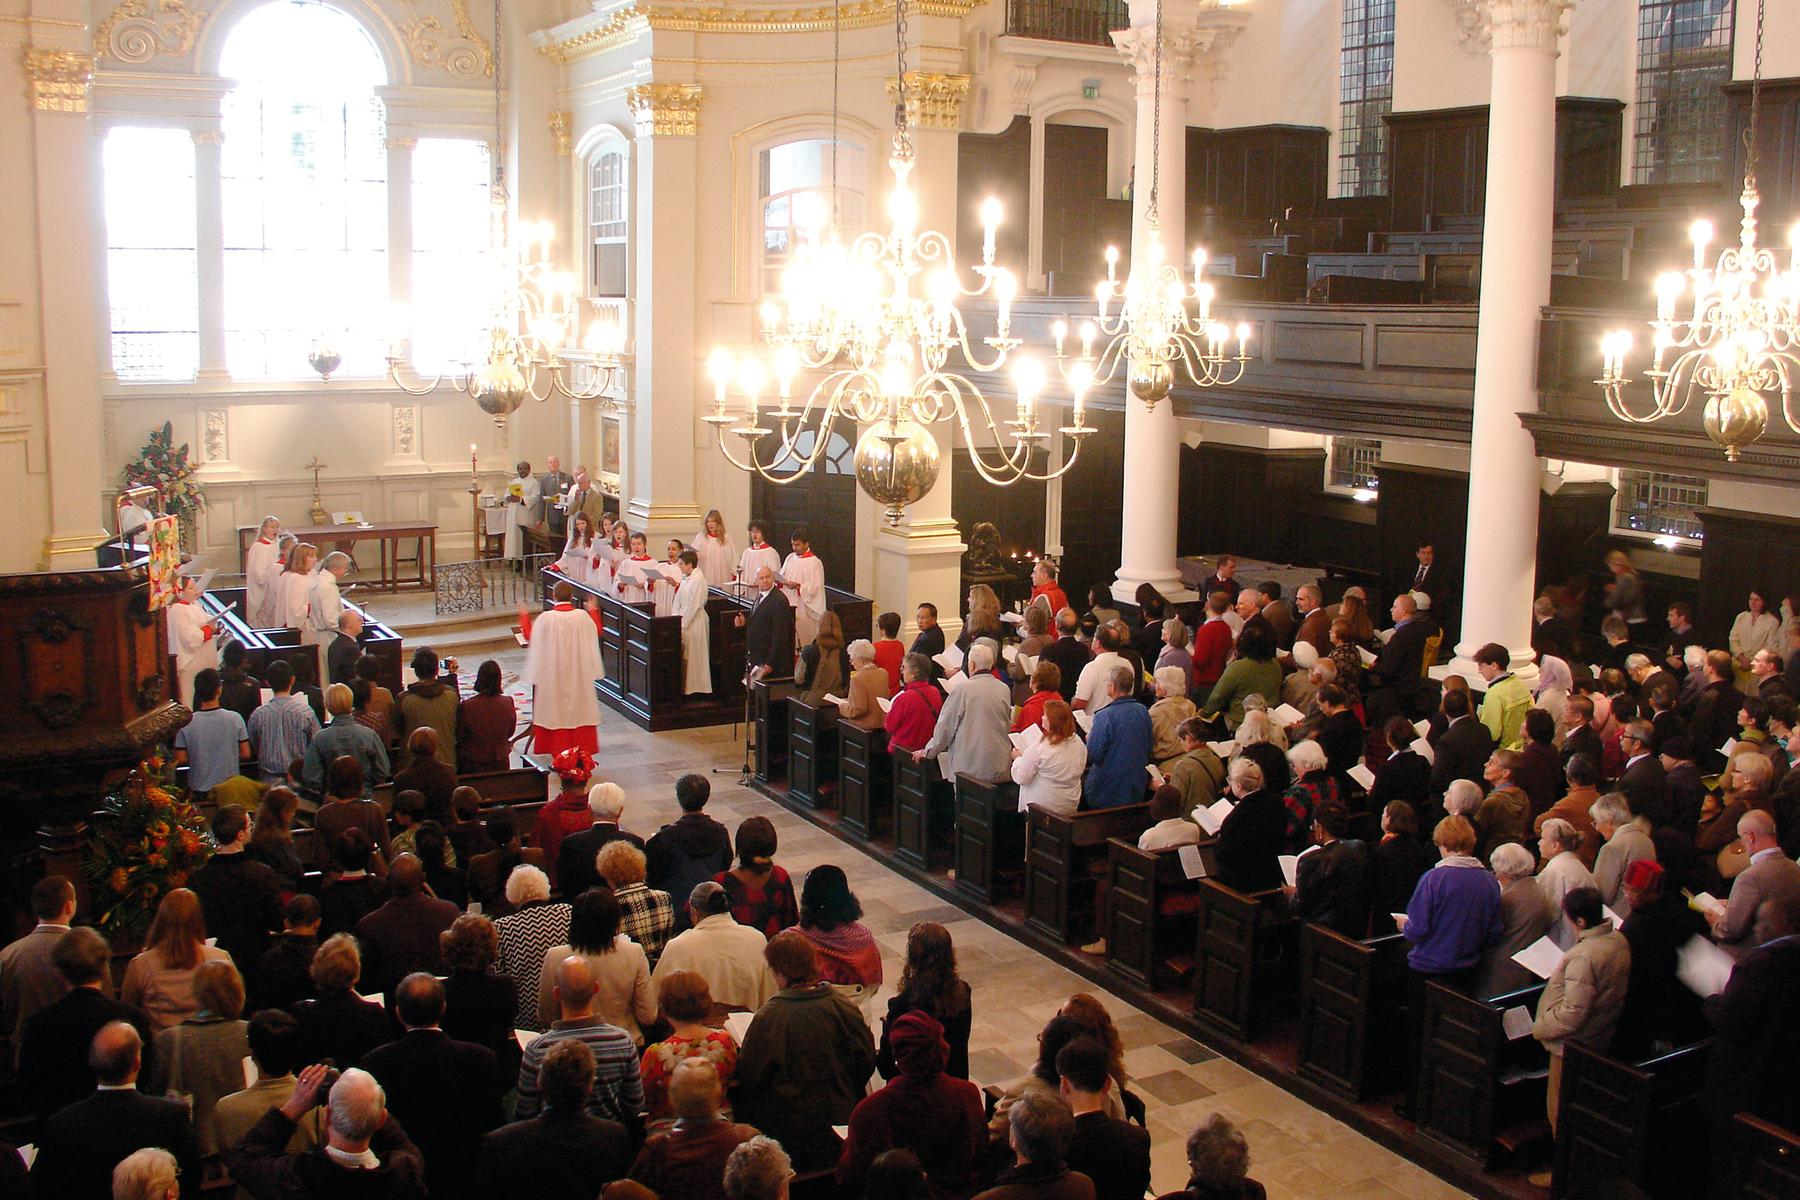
x: 83, y: 694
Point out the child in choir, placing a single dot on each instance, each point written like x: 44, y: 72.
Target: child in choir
x: 580, y: 558
x: 262, y: 574
x: 636, y: 571
x: 718, y: 553
x: 690, y: 606
x: 803, y: 575
x: 759, y: 555
x: 296, y: 585
x: 191, y: 638
x: 662, y: 592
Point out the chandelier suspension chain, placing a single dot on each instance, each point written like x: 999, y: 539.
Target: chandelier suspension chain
x: 1150, y: 210
x: 837, y: 32
x: 499, y: 164
x: 902, y: 136
x: 1750, y: 153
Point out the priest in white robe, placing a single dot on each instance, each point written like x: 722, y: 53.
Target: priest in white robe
x: 262, y: 575
x: 324, y: 605
x: 524, y: 499
x: 690, y: 606
x: 757, y: 555
x: 192, y: 638
x: 562, y: 661
x: 718, y: 553
x: 803, y: 575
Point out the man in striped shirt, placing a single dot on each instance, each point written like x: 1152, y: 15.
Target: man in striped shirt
x: 281, y: 729
x: 618, y: 1093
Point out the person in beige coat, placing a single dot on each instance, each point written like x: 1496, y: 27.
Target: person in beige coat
x: 868, y: 685
x: 1584, y: 995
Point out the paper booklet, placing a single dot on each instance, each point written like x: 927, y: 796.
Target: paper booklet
x: 525, y: 1037
x: 1704, y: 902
x: 1012, y: 618
x: 1028, y: 664
x: 1703, y: 967
x: 1156, y: 776
x: 1010, y: 652
x: 1421, y: 727
x: 1384, y: 635
x: 886, y: 704
x: 1364, y: 777
x: 1212, y: 817
x: 1423, y: 749
x: 1287, y: 714
x: 951, y: 659
x: 669, y: 571
x: 1540, y: 958
x: 1368, y: 659
x: 1399, y: 920
x: 840, y: 701
x: 952, y: 682
x: 1516, y: 1023
x: 1192, y: 864
x: 1085, y: 720
x: 738, y: 1025
x: 1290, y: 868
x: 1027, y: 737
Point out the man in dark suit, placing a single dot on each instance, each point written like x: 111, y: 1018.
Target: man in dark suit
x: 1552, y: 634
x: 1340, y: 733
x: 1431, y: 577
x: 1114, y: 1154
x: 1715, y: 712
x: 1658, y: 1006
x: 401, y: 936
x: 239, y: 690
x: 1579, y: 735
x: 1399, y: 670
x: 575, y: 870
x: 558, y: 1154
x: 1687, y: 791
x: 1756, y: 1053
x: 345, y: 648
x: 769, y: 631
x: 1644, y: 782
x: 1646, y: 677
x: 686, y: 853
x: 1405, y: 775
x: 442, y: 1091
x: 1331, y: 879
x: 1070, y: 652
x: 80, y: 1146
x: 1279, y: 614
x: 53, y: 1050
x: 1462, y: 750
x: 239, y: 895
x: 1222, y: 579
x: 553, y: 483
x: 367, y: 1155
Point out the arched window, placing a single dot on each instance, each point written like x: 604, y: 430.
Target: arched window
x: 796, y: 198
x: 453, y: 281
x: 609, y: 224
x: 304, y: 167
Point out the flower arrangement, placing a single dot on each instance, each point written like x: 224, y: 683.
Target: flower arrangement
x: 163, y: 465
x: 150, y: 840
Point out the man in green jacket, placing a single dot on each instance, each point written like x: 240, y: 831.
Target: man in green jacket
x: 1503, y: 707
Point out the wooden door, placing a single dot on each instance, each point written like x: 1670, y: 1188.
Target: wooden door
x: 823, y: 501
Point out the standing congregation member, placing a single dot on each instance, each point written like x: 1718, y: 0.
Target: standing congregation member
x: 262, y: 574
x: 29, y: 978
x: 431, y: 700
x: 53, y: 1042
x: 324, y: 607
x: 729, y: 956
x: 1504, y: 706
x: 689, y: 851
x: 366, y: 1154
x: 558, y: 1154
x: 562, y: 661
x: 1252, y: 836
x: 912, y: 718
x: 803, y: 576
x: 769, y: 629
x: 868, y: 687
x: 1118, y: 747
x: 214, y: 741
x: 553, y: 486
x: 1049, y: 772
x: 690, y: 606
x: 972, y: 727
x: 1526, y: 914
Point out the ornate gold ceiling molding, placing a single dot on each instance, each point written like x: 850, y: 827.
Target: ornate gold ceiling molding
x: 139, y: 30
x: 59, y: 79
x: 467, y: 55
x: 630, y: 23
x: 665, y: 109
x: 934, y: 99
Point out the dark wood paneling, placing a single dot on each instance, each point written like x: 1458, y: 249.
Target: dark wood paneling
x: 998, y: 165
x: 1743, y: 551
x: 1588, y: 147
x: 1258, y: 173
x: 1074, y: 177
x: 1016, y: 511
x: 1573, y: 525
x: 1421, y: 502
x: 1778, y: 148
x: 823, y: 501
x: 1249, y: 500
x: 1093, y: 507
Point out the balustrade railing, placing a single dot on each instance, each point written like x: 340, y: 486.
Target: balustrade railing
x: 488, y: 583
x: 1086, y: 21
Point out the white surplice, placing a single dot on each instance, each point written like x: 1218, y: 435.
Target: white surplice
x: 632, y: 590
x: 577, y: 562
x: 755, y: 559
x: 561, y: 664
x: 523, y: 514
x: 717, y: 555
x: 809, y: 600
x: 194, y: 652
x: 690, y: 606
x: 292, y: 598
x: 323, y: 608
x: 262, y: 574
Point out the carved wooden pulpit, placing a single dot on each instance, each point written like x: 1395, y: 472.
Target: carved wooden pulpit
x: 82, y: 696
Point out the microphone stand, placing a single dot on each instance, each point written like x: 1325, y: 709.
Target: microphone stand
x: 745, y: 771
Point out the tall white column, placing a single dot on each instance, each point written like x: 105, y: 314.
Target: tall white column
x: 1515, y: 284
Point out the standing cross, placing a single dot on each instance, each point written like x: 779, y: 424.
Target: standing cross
x: 318, y: 508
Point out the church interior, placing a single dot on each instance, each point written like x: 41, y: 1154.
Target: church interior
x: 1448, y: 347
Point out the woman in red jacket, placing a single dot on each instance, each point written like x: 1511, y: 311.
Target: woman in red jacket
x: 913, y: 716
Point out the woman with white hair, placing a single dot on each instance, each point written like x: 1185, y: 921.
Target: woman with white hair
x: 1251, y: 839
x: 759, y: 1169
x: 868, y: 686
x: 526, y: 935
x: 1314, y: 785
x: 1526, y: 914
x: 1172, y: 707
x: 1218, y: 1157
x: 1562, y: 872
x: 148, y: 1174
x: 1261, y: 739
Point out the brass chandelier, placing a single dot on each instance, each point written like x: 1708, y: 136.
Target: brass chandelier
x: 1153, y: 330
x: 881, y: 331
x: 1740, y: 336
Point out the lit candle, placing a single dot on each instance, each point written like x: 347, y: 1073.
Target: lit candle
x: 1199, y: 263
x: 1668, y: 288
x: 1060, y: 331
x: 719, y: 366
x: 1702, y: 232
x: 1080, y: 379
x: 1005, y: 288
x: 1243, y: 336
x: 1112, y: 263
x: 990, y: 223
x: 1087, y: 342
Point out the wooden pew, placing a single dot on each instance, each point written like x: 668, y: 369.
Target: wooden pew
x: 1765, y: 1159
x: 1058, y: 851
x: 1352, y: 1035
x: 1630, y: 1122
x: 924, y: 811
x: 769, y: 704
x: 990, y: 837
x: 812, y: 751
x: 865, y: 777
x: 1244, y: 958
x: 1150, y: 910
x: 1473, y: 1082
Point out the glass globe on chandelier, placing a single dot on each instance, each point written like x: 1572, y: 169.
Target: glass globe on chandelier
x: 879, y: 318
x: 1163, y: 321
x: 536, y: 341
x: 1733, y: 330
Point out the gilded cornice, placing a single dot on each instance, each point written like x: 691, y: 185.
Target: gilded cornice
x: 933, y: 98
x: 59, y: 79
x: 665, y: 109
x: 139, y: 30
x: 627, y: 24
x: 467, y: 55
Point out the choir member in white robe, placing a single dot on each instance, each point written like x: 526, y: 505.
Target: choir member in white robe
x: 803, y: 575
x: 324, y: 605
x: 759, y: 555
x: 580, y: 559
x: 562, y: 661
x: 717, y: 552
x: 662, y: 594
x: 296, y: 586
x: 635, y: 572
x: 690, y: 606
x: 525, y: 497
x: 262, y: 574
x: 191, y: 638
